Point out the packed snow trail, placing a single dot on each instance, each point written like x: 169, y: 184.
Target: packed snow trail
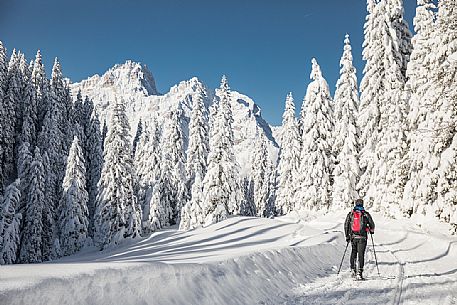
x: 248, y: 261
x: 416, y: 267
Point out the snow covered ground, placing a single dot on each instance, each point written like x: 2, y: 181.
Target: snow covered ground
x: 248, y: 261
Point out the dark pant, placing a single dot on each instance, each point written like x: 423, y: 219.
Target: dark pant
x: 359, y: 244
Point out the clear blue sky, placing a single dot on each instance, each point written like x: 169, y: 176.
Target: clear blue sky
x: 263, y: 46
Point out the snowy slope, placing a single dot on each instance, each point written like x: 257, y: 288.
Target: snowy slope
x: 247, y: 261
x: 135, y: 84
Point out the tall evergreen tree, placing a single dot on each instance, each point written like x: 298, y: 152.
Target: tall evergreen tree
x: 260, y: 177
x: 94, y: 166
x: 192, y: 213
x: 270, y: 209
x: 439, y: 124
x: 419, y: 69
x: 289, y: 159
x: 8, y: 118
x: 41, y: 89
x: 50, y: 248
x: 62, y: 104
x: 160, y: 209
x: 148, y: 173
x: 346, y: 171
x: 25, y: 159
x: 248, y: 206
x: 3, y: 77
x: 316, y: 155
x: 29, y: 127
x: 445, y: 204
x: 370, y: 89
x: 382, y: 109
x: 395, y: 9
x: 78, y: 117
x: 32, y: 233
x: 173, y: 163
x: 3, y: 70
x: 221, y: 189
x: 10, y: 220
x: 52, y: 143
x: 117, y: 212
x: 197, y: 154
x: 87, y: 112
x: 73, y: 217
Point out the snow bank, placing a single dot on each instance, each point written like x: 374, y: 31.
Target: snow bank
x: 249, y: 261
x: 238, y: 261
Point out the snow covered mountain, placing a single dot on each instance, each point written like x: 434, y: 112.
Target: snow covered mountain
x: 134, y: 83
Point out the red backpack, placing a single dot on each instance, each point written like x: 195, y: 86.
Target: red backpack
x: 357, y: 222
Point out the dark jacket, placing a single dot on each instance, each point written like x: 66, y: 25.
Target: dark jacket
x: 367, y: 223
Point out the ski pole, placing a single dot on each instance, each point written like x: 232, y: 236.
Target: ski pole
x: 343, y: 258
x: 374, y: 250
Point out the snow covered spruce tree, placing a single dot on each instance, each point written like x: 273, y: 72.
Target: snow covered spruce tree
x: 147, y: 164
x: 77, y: 117
x: 197, y: 154
x: 270, y: 209
x: 62, y: 105
x: 160, y: 210
x: 447, y: 188
x: 9, y: 112
x: 73, y: 215
x: 419, y: 69
x: 41, y: 89
x: 88, y: 110
x: 436, y: 190
x: 10, y: 221
x: 94, y: 166
x: 445, y: 204
x: 396, y: 13
x: 221, y: 189
x: 260, y: 177
x: 3, y: 113
x: 193, y: 211
x: 31, y: 250
x: 289, y: 159
x: 173, y: 163
x: 247, y: 208
x: 52, y: 143
x: 383, y: 108
x: 346, y: 171
x: 30, y: 116
x: 117, y: 214
x: 316, y: 159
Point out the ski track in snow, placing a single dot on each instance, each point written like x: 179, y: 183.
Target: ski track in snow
x: 403, y: 278
x: 248, y: 261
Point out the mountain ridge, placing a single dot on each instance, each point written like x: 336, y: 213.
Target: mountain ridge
x: 135, y: 84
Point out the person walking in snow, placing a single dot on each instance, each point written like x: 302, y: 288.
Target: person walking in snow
x: 356, y: 227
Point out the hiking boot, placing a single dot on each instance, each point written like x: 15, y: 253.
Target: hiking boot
x: 360, y: 275
x: 353, y: 273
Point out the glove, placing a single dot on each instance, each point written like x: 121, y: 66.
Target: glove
x: 347, y: 239
x: 371, y: 232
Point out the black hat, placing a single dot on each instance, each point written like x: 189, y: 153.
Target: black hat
x: 359, y: 202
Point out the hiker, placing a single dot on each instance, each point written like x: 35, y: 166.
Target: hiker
x: 356, y: 227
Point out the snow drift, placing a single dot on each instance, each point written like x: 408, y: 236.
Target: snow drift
x: 247, y: 261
